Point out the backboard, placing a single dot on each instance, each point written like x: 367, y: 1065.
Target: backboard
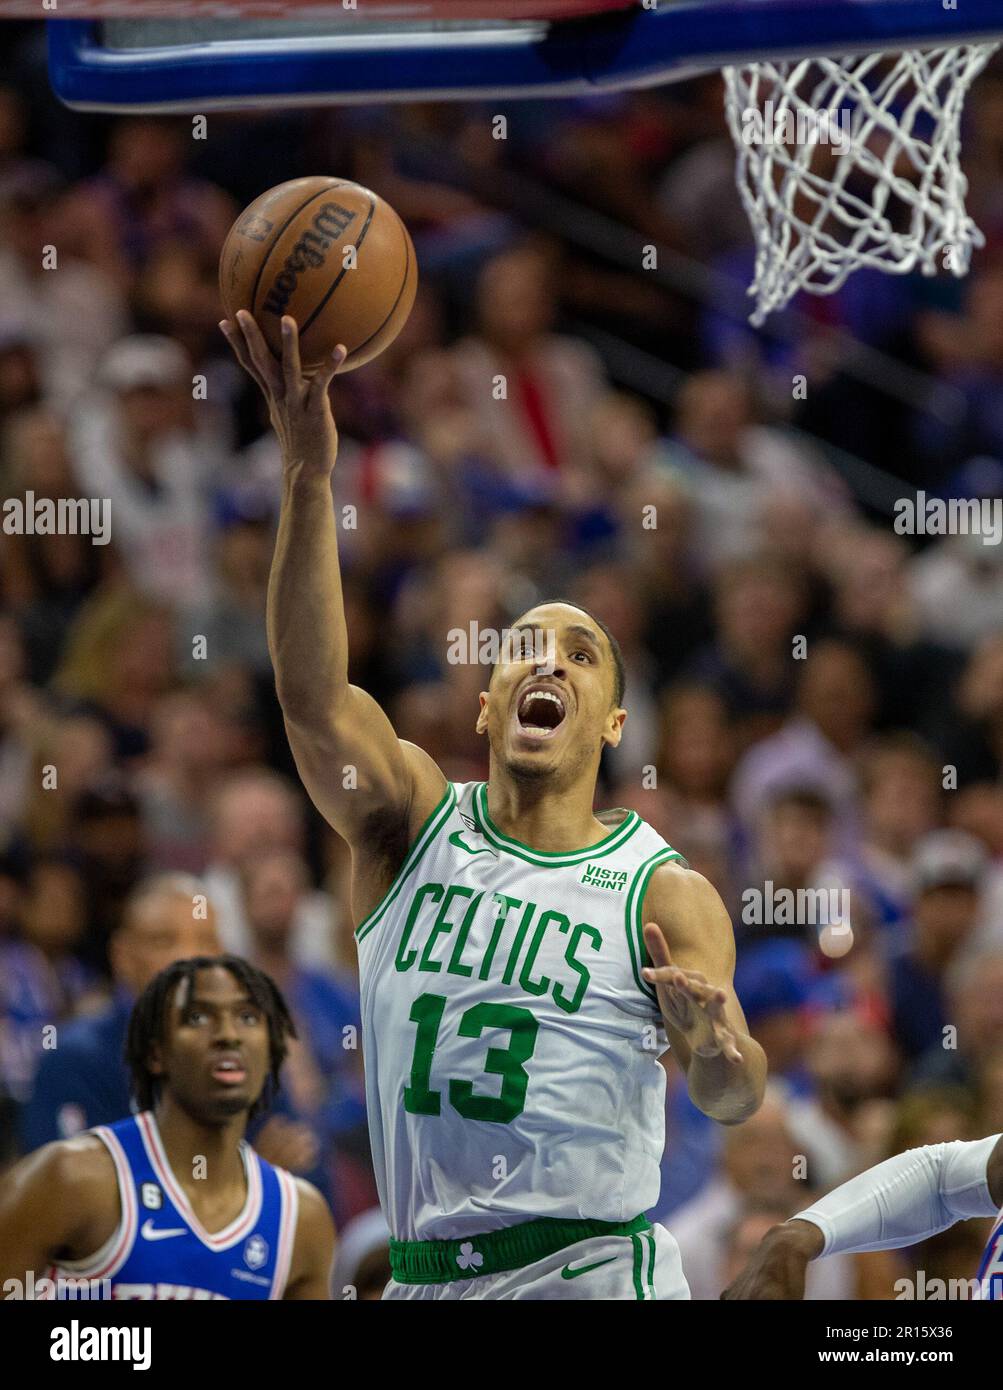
x: 311, y: 52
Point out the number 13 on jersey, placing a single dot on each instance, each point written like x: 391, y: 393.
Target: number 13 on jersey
x: 506, y: 1062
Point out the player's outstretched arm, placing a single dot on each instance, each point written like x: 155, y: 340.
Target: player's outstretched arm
x: 59, y: 1202
x: 359, y: 775
x: 313, y: 1251
x: 899, y: 1202
x: 691, y: 944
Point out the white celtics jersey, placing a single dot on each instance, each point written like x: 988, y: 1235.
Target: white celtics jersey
x: 511, y: 1044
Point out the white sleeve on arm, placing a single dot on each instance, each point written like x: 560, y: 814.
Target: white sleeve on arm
x: 906, y: 1198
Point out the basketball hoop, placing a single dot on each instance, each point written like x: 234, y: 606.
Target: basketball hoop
x: 891, y: 195
x: 850, y: 162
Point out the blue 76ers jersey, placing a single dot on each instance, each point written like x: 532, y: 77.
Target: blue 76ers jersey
x: 991, y: 1269
x: 160, y: 1249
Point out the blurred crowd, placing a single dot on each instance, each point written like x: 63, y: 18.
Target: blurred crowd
x: 814, y: 701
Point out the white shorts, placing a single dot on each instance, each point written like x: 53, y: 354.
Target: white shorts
x: 647, y: 1266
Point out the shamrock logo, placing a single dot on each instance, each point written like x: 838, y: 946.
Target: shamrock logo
x: 469, y: 1258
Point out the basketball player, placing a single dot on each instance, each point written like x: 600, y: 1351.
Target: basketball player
x: 171, y: 1202
x: 511, y: 1025
x: 899, y: 1202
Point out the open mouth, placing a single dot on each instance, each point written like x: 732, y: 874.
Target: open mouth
x: 540, y: 713
x: 229, y: 1073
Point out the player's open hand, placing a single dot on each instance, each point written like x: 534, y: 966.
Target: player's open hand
x: 298, y: 401
x: 692, y: 1005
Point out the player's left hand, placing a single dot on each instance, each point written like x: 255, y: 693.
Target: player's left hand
x: 692, y: 1005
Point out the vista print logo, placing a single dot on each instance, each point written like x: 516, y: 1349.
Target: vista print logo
x: 599, y: 877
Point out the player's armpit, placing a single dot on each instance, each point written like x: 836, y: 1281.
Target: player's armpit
x: 313, y: 1251
x: 357, y: 770
x: 61, y: 1201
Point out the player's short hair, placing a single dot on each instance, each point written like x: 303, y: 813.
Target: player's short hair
x: 620, y: 672
x: 147, y: 1023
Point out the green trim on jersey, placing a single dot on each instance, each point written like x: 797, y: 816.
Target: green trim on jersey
x: 426, y: 835
x: 633, y: 920
x: 545, y: 859
x: 445, y: 1261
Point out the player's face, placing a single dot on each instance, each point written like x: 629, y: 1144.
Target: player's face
x: 550, y: 698
x: 215, y: 1056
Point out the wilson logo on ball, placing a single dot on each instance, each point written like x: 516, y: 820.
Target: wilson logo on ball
x: 308, y: 254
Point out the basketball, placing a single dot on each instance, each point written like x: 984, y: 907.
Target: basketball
x: 330, y: 253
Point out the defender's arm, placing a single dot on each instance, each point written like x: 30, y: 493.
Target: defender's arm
x: 899, y: 1202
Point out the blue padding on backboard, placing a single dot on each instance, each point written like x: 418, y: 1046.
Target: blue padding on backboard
x: 626, y: 49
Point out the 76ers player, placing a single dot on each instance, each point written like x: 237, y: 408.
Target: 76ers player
x: 172, y: 1202
x: 899, y: 1202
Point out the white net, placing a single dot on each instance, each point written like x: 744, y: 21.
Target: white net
x: 848, y: 162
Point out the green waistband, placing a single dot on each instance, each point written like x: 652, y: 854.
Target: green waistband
x: 442, y: 1261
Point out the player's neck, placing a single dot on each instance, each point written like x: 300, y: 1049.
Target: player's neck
x: 197, y: 1151
x: 549, y: 820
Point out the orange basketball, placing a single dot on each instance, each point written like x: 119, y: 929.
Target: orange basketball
x: 332, y: 254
